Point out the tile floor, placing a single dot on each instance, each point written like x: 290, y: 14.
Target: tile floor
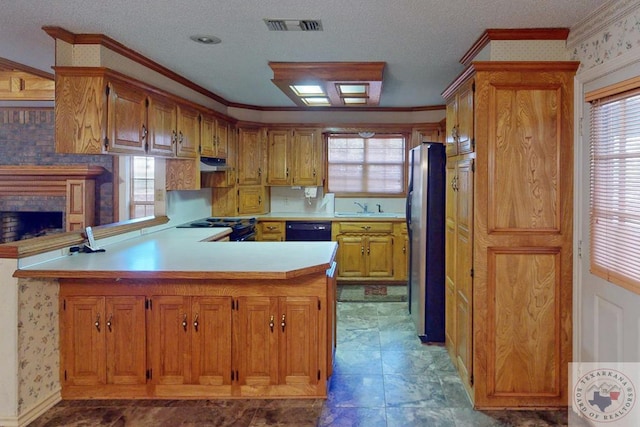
x: 384, y: 377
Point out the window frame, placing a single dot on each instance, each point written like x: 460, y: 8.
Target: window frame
x: 611, y: 226
x: 132, y: 202
x: 406, y: 137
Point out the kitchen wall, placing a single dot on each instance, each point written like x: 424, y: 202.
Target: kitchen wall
x: 606, y: 316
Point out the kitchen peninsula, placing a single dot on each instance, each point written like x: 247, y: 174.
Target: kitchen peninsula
x: 173, y: 314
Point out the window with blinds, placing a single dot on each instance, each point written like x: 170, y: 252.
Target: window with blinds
x: 142, y: 187
x: 615, y: 184
x: 366, y: 166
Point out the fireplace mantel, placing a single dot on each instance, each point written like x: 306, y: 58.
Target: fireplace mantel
x: 36, y: 180
x: 74, y: 182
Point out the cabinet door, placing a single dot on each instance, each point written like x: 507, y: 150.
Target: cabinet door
x: 351, y: 256
x: 451, y: 139
x: 211, y: 343
x: 463, y: 266
x: 127, y: 120
x: 222, y: 138
x: 126, y: 344
x: 83, y: 341
x: 298, y: 344
x: 379, y: 256
x: 278, y: 152
x: 169, y: 336
x: 465, y: 118
x: 250, y: 156
x: 450, y: 259
x: 256, y: 334
x: 401, y: 256
x: 162, y: 121
x: 306, y: 157
x: 208, y: 136
x: 251, y: 200
x: 188, y: 132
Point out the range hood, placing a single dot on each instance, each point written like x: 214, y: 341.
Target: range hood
x: 213, y: 164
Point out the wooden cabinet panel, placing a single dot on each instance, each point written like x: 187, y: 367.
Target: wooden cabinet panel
x: 298, y: 347
x: 307, y: 157
x: 278, y: 156
x: 252, y: 199
x: 272, y: 231
x: 211, y: 344
x: 188, y: 132
x: 162, y: 123
x: 256, y: 354
x: 351, y: 261
x: 452, y: 123
x: 400, y: 252
x: 451, y: 219
x: 222, y: 138
x: 103, y: 340
x: 170, y: 338
x: 83, y: 341
x: 250, y: 156
x: 208, y: 136
x: 379, y: 256
x: 464, y: 130
x: 127, y: 119
x: 126, y: 343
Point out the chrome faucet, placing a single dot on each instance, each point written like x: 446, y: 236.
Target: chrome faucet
x: 364, y: 207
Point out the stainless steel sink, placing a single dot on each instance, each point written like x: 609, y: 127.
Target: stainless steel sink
x: 368, y: 215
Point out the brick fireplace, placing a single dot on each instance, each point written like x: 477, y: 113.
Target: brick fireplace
x: 41, y: 200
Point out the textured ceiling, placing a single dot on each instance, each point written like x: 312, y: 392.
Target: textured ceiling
x: 421, y: 41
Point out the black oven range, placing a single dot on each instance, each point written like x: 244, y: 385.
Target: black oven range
x: 242, y: 229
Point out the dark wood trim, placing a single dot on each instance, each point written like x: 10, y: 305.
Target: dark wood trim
x: 512, y: 34
x: 40, y: 245
x: 458, y: 81
x: 14, y: 66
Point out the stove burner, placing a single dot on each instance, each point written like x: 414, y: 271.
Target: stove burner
x: 242, y: 229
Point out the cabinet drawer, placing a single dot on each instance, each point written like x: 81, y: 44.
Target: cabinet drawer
x: 272, y: 227
x: 365, y: 227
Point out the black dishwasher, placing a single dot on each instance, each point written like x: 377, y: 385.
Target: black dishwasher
x: 308, y: 231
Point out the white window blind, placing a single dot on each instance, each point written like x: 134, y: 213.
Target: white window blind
x: 142, y: 187
x: 359, y: 165
x: 615, y: 188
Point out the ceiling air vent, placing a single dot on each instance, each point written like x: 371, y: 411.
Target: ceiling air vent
x: 293, y: 24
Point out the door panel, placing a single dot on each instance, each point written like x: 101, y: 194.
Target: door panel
x: 298, y: 348
x: 126, y: 340
x: 211, y: 345
x: 170, y: 334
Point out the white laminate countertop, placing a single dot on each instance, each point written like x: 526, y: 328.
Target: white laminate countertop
x: 326, y: 216
x: 189, y: 253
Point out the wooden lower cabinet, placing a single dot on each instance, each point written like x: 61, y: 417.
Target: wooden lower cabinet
x: 365, y: 250
x: 104, y: 340
x: 173, y: 339
x: 190, y: 340
x: 277, y: 343
x: 271, y: 231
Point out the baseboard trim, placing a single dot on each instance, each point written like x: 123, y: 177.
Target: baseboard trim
x: 32, y: 413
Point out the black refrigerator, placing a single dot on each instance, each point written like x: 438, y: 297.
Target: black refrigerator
x: 426, y: 232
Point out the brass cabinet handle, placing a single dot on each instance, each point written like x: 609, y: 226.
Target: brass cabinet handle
x: 259, y: 200
x: 271, y: 227
x: 287, y: 172
x: 283, y: 323
x: 361, y: 250
x: 368, y: 250
x: 109, y: 322
x: 144, y: 131
x: 181, y: 137
x: 184, y: 322
x: 259, y: 171
x: 195, y: 323
x: 314, y: 172
x: 404, y: 249
x: 271, y: 323
x: 365, y: 227
x: 97, y: 322
x: 174, y: 137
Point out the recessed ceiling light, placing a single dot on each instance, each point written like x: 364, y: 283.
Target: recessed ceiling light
x: 206, y: 39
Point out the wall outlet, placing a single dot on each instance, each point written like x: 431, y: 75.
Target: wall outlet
x: 159, y: 195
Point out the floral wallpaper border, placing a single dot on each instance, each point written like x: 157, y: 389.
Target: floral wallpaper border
x: 608, y: 33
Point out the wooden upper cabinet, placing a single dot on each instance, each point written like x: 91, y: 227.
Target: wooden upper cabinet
x: 252, y: 199
x: 459, y: 117
x: 250, y: 156
x: 208, y: 136
x: 278, y: 156
x: 307, y: 157
x: 188, y: 132
x: 127, y: 119
x: 294, y: 157
x: 162, y: 119
x: 222, y: 138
